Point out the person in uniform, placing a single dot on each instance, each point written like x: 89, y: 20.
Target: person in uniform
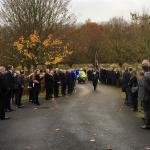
x: 95, y: 79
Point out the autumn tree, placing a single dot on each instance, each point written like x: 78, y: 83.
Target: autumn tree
x: 35, y: 51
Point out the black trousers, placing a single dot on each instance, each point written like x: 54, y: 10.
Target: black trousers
x: 8, y: 100
x: 49, y: 93
x: 18, y: 96
x: 36, y: 96
x: 146, y: 106
x: 56, y: 90
x: 2, y: 106
x: 134, y: 99
x: 69, y: 86
x: 30, y: 94
x: 63, y: 89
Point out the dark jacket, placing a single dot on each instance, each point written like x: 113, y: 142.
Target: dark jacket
x: 10, y: 80
x: 3, y: 83
x: 125, y: 81
x: 49, y: 81
x: 37, y: 86
x: 133, y: 86
x: 146, y: 85
x: 19, y: 81
x: 95, y: 77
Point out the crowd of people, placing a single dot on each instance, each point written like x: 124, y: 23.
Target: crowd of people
x: 13, y: 82
x: 136, y: 86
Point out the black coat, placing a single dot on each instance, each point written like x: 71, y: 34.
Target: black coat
x: 19, y: 81
x: 125, y: 81
x: 10, y: 80
x: 63, y: 78
x: 37, y: 86
x: 146, y: 85
x: 49, y: 81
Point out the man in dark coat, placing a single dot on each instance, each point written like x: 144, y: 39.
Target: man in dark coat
x: 10, y: 84
x: 63, y: 82
x: 69, y: 81
x: 146, y: 99
x: 19, y: 86
x: 95, y: 78
x: 56, y: 82
x: 49, y: 82
x: 3, y: 92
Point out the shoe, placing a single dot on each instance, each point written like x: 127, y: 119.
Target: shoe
x: 5, y: 118
x: 21, y: 106
x: 146, y: 127
x: 10, y: 110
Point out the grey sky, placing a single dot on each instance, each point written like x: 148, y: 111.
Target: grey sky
x: 103, y: 10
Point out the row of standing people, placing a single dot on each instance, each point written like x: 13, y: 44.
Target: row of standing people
x: 55, y: 81
x: 12, y: 85
x: 137, y: 88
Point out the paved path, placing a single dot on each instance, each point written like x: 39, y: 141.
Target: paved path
x: 87, y: 120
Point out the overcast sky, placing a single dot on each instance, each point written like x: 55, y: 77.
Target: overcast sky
x: 103, y: 10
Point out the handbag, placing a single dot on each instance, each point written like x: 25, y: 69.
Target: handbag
x: 134, y: 89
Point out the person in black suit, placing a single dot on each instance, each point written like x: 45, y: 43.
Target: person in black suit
x: 56, y: 82
x: 36, y: 87
x: 49, y: 82
x: 19, y: 85
x: 63, y: 82
x: 3, y: 92
x: 10, y: 84
x: 69, y: 81
x: 95, y: 79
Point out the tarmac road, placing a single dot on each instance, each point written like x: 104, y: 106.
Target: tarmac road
x: 87, y: 120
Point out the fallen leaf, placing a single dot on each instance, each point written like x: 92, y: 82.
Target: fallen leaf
x: 92, y: 140
x: 109, y: 148
x: 57, y: 129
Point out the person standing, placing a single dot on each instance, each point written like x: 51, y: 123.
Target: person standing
x: 47, y: 84
x: 30, y: 88
x: 36, y: 87
x: 56, y: 82
x: 63, y: 82
x: 95, y: 78
x: 19, y: 86
x: 141, y: 88
x: 3, y: 92
x: 69, y: 81
x: 133, y: 84
x: 10, y: 84
x: 146, y: 98
x: 125, y: 85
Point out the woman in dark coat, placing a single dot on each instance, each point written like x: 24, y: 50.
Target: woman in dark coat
x: 133, y: 84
